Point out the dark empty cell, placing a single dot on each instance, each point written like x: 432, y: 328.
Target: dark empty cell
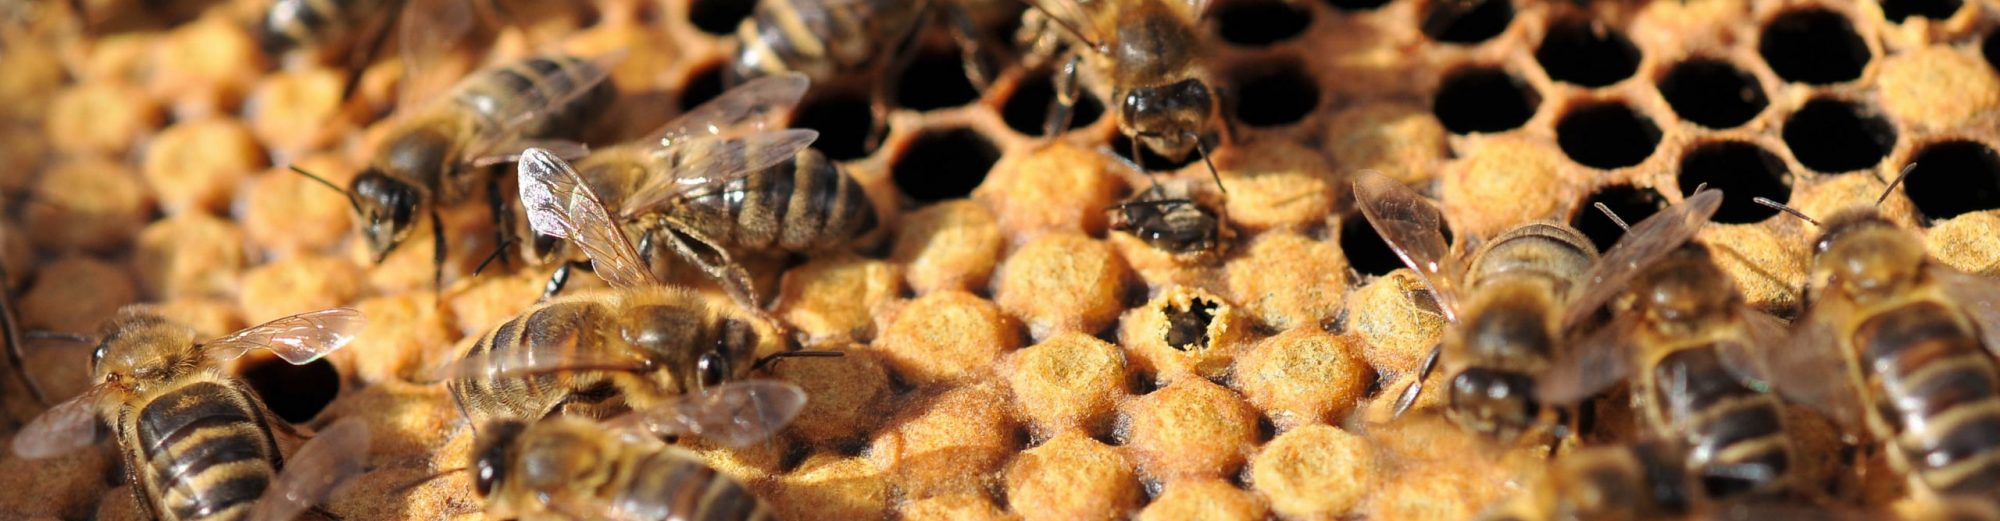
x: 935, y: 80
x: 1607, y: 136
x: 1365, y: 249
x: 1952, y: 178
x: 1467, y: 21
x: 843, y: 125
x: 1990, y: 47
x: 1814, y: 46
x: 1713, y: 93
x: 1742, y: 171
x: 1261, y: 22
x: 1631, y: 204
x: 719, y: 17
x: 1276, y: 97
x: 1899, y: 10
x: 704, y: 86
x: 1027, y: 109
x: 1587, y: 53
x: 944, y: 164
x: 1187, y: 326
x: 1484, y: 100
x: 1357, y: 5
x: 1148, y: 159
x: 1837, y: 136
x: 294, y: 392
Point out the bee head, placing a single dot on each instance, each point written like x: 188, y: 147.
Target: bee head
x: 495, y: 447
x: 1865, y: 255
x: 139, y: 347
x: 387, y: 208
x: 1168, y: 119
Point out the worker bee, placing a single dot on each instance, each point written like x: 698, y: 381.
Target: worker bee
x: 1642, y: 480
x: 825, y: 39
x: 642, y: 347
x: 568, y: 468
x: 1682, y: 335
x: 1152, y: 54
x: 437, y: 154
x: 1906, y: 346
x: 197, y: 443
x: 1189, y: 229
x: 1505, y: 329
x: 714, y: 181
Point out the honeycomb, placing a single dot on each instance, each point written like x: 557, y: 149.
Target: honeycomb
x: 1006, y: 355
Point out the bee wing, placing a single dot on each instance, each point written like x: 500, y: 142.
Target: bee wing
x: 700, y: 166
x: 559, y: 204
x: 299, y: 339
x: 1074, y: 16
x: 1413, y: 229
x: 1652, y: 238
x: 67, y: 426
x: 537, y: 358
x: 428, y: 31
x: 334, y: 454
x: 734, y: 414
x: 1762, y: 332
x: 506, y: 139
x: 744, y: 108
x: 1978, y: 295
x: 1597, y: 361
x: 1809, y: 369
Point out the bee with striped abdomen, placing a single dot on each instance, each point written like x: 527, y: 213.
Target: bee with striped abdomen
x: 1504, y: 302
x: 1187, y: 227
x: 1640, y: 481
x: 197, y: 443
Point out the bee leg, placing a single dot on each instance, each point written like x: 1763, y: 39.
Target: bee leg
x: 720, y: 266
x: 497, y: 206
x: 1409, y: 396
x: 1063, y: 107
x: 561, y: 278
x: 437, y: 250
x: 970, y: 46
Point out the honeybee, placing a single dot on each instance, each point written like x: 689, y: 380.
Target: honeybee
x: 1152, y: 54
x: 568, y: 468
x: 1505, y: 330
x: 1683, y: 336
x: 1189, y: 229
x: 642, y: 347
x: 437, y: 154
x: 197, y: 443
x: 825, y: 39
x: 715, y: 181
x: 1906, y: 346
x: 1642, y: 480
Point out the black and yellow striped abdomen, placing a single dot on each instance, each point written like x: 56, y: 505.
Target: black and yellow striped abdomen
x: 675, y: 484
x: 819, y: 38
x: 534, y: 87
x: 1935, y: 385
x: 565, y: 325
x: 201, y: 451
x: 290, y: 24
x: 802, y: 205
x: 1736, y: 438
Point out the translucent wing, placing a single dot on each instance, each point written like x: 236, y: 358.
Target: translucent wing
x: 1978, y: 295
x: 1595, y: 362
x: 298, y: 339
x: 504, y: 138
x: 565, y: 149
x: 541, y: 357
x: 428, y: 32
x: 1809, y: 369
x: 698, y: 166
x: 1073, y: 16
x: 745, y: 108
x: 1761, y: 331
x: 1652, y: 238
x: 735, y: 414
x: 335, y: 454
x: 559, y: 204
x: 1414, y: 230
x: 66, y: 427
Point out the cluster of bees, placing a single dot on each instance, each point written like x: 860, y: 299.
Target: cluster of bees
x: 573, y: 400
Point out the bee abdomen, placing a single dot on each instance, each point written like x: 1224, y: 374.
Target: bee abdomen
x: 1546, y: 250
x: 674, y: 485
x: 209, y: 456
x: 804, y: 36
x: 571, y: 324
x: 1742, y: 448
x: 1962, y: 454
x: 531, y: 86
x: 291, y: 24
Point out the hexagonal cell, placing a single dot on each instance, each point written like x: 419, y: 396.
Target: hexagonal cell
x: 1453, y: 21
x: 1952, y: 178
x: 1275, y: 95
x: 944, y: 164
x: 1357, y: 5
x: 1365, y: 249
x: 1832, y: 135
x: 1742, y: 170
x: 1814, y: 46
x: 1899, y: 10
x: 293, y: 392
x: 1586, y: 52
x: 1259, y: 23
x: 1630, y: 203
x: 719, y: 17
x: 1607, y: 135
x: 936, y: 80
x: 1713, y: 93
x: 1484, y: 99
x: 843, y: 122
x: 1027, y: 108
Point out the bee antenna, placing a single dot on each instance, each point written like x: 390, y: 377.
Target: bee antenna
x: 497, y: 251
x: 328, y: 184
x: 1699, y: 187
x: 1613, y: 215
x: 1212, y: 172
x: 772, y: 359
x: 61, y: 336
x: 1912, y: 167
x: 1787, y: 209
